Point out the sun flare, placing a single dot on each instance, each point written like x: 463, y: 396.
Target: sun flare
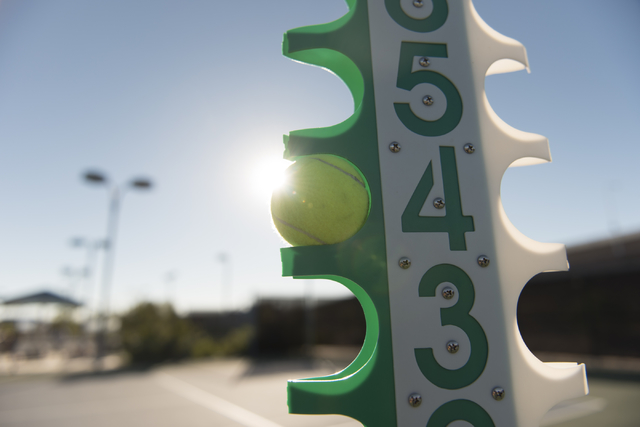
x: 269, y: 175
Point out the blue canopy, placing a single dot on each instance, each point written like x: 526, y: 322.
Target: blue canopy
x: 42, y: 297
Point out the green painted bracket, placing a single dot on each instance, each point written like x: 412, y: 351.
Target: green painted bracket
x: 365, y: 389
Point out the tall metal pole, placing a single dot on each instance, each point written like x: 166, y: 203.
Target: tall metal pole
x: 170, y: 280
x: 90, y: 273
x: 91, y: 250
x: 225, y: 280
x: 116, y: 193
x: 92, y: 310
x: 107, y: 274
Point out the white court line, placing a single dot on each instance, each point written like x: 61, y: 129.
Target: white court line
x: 247, y: 418
x: 562, y: 413
x: 213, y: 402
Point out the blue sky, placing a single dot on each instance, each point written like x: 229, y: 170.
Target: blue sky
x: 196, y: 96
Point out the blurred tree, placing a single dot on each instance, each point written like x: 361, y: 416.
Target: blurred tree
x: 235, y: 342
x: 8, y: 336
x: 153, y: 333
x: 63, y: 324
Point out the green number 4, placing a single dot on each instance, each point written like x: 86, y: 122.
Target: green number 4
x: 453, y: 222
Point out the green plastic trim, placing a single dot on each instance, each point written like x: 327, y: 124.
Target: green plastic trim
x: 371, y: 335
x: 365, y: 389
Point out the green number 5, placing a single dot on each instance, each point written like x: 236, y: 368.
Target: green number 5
x: 457, y: 315
x: 408, y: 80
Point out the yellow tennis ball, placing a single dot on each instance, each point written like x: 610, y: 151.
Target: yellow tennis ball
x: 324, y: 200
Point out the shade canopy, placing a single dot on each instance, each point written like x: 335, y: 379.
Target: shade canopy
x: 42, y: 297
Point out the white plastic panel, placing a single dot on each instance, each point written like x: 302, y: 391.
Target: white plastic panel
x: 531, y: 386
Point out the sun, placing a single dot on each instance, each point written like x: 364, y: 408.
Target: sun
x: 269, y: 175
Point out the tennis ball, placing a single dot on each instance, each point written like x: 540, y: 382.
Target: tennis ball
x: 324, y: 200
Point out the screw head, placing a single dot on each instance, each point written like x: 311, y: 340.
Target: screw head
x: 415, y: 400
x: 448, y: 293
x: 404, y: 263
x: 453, y: 347
x: 497, y: 393
x: 394, y: 147
x: 424, y: 62
x: 469, y: 148
x: 428, y: 100
x: 483, y: 261
x: 438, y: 203
x: 418, y: 3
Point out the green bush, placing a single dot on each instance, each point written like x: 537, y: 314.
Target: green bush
x: 8, y: 336
x: 154, y: 333
x: 64, y: 324
x: 236, y: 342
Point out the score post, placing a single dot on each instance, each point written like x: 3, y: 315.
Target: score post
x: 437, y: 266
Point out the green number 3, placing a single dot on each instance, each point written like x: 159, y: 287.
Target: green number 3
x: 460, y: 410
x: 457, y: 315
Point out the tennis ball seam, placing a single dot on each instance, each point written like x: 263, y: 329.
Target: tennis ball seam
x: 311, y: 236
x: 355, y: 178
x: 340, y: 193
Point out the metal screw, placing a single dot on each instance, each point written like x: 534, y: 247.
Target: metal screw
x: 448, y: 293
x: 424, y: 61
x: 469, y: 148
x: 418, y: 3
x: 497, y: 393
x: 394, y: 147
x: 453, y: 347
x: 483, y: 261
x: 427, y: 100
x: 415, y: 400
x: 404, y: 263
x: 438, y: 203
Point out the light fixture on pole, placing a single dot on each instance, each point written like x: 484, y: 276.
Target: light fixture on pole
x: 225, y: 281
x: 170, y: 281
x: 72, y: 276
x: 91, y: 247
x: 115, y: 196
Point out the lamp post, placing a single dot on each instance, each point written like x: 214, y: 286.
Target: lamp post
x: 170, y: 281
x: 91, y: 247
x: 73, y: 276
x: 115, y: 197
x: 225, y: 281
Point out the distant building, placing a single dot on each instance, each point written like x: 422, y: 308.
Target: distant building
x: 594, y: 308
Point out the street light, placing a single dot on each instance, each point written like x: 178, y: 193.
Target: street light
x: 225, y: 281
x: 115, y: 196
x: 91, y: 248
x: 170, y: 280
x: 73, y: 276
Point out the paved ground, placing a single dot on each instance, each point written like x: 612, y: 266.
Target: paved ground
x: 235, y: 393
